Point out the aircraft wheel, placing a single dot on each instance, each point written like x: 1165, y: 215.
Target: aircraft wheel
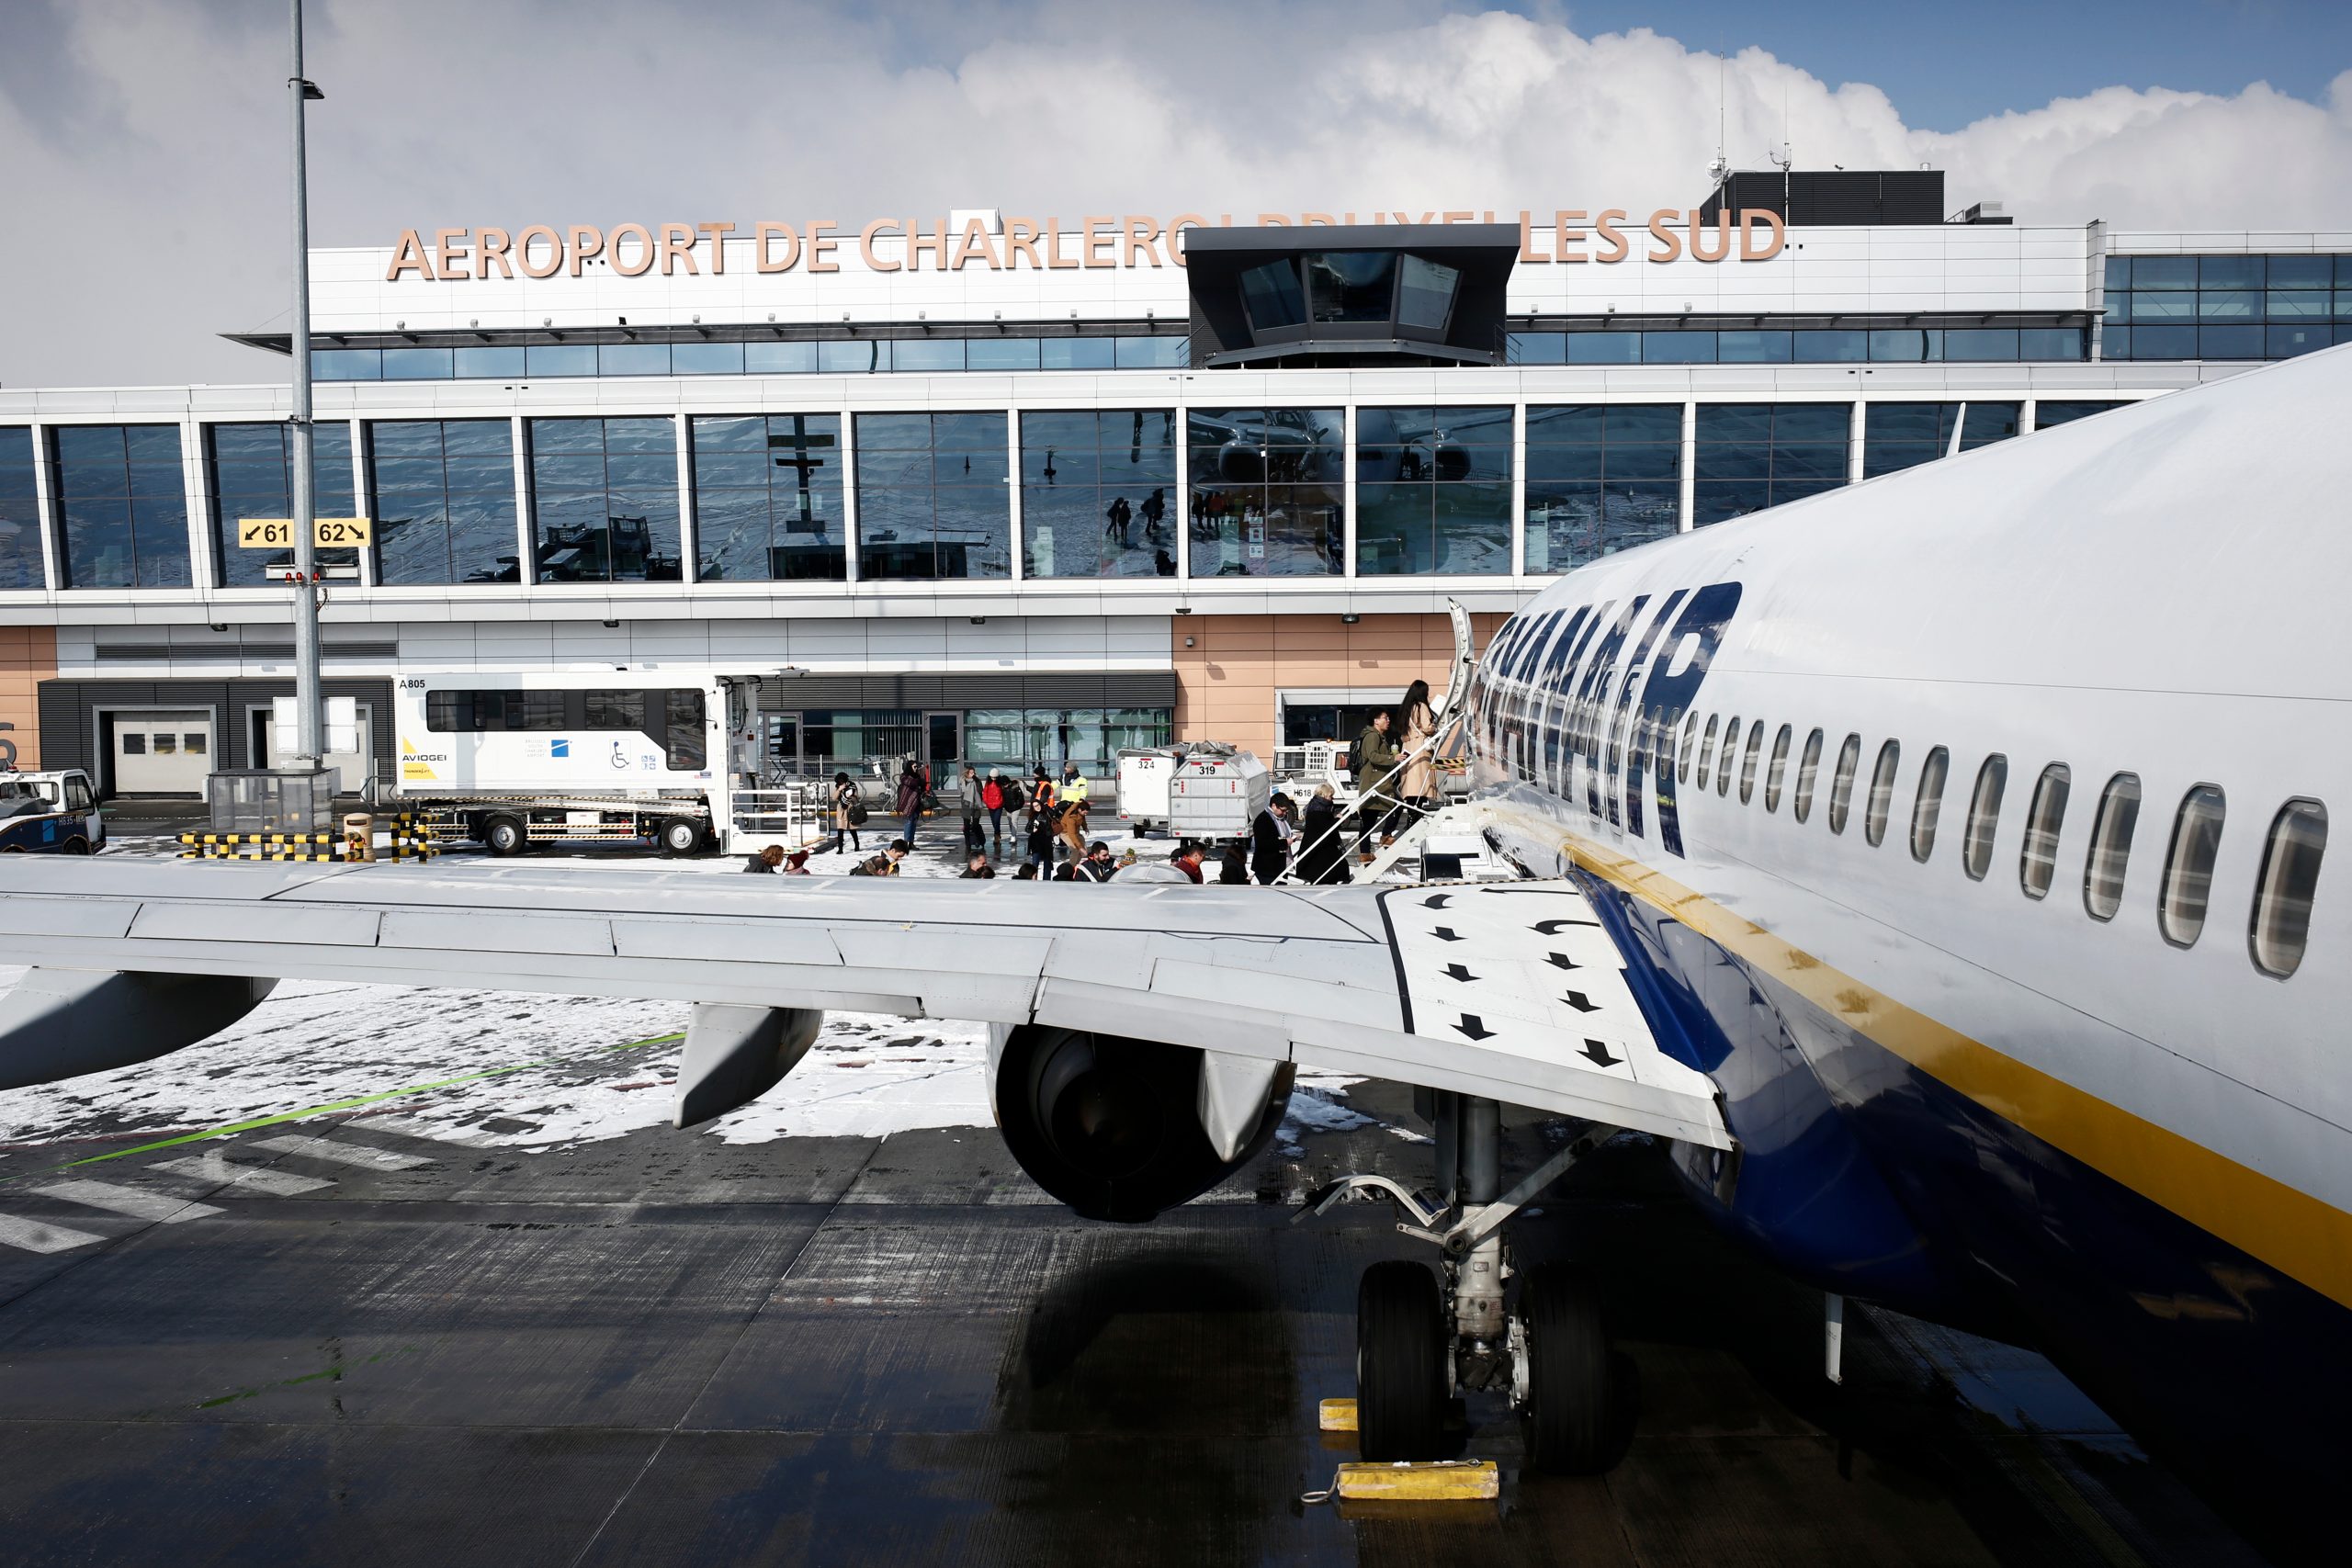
x: 1400, y: 1363
x: 503, y: 836
x: 680, y: 836
x: 1570, y: 1412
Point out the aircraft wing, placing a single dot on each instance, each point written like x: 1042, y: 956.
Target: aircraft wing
x: 1511, y: 991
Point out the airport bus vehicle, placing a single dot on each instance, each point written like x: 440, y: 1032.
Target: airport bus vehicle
x: 53, y: 813
x: 517, y: 760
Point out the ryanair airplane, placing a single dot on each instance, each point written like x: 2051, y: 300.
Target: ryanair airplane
x: 1938, y: 865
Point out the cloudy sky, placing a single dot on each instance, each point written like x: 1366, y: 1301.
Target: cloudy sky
x: 143, y: 162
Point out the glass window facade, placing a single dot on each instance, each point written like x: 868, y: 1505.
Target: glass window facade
x: 1601, y: 478
x: 1017, y: 740
x: 1773, y: 345
x: 21, y: 564
x: 1269, y: 491
x: 121, y: 504
x: 768, y: 497
x: 1751, y: 456
x: 443, y: 501
x: 1425, y: 292
x: 605, y: 498
x: 1433, y: 490
x: 932, y: 501
x: 246, y: 468
x: 2047, y: 414
x: 2235, y: 307
x: 1901, y: 435
x: 1098, y: 494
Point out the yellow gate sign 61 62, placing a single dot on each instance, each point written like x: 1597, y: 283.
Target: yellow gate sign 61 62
x: 277, y: 532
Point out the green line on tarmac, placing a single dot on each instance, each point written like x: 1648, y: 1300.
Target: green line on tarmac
x: 350, y: 1104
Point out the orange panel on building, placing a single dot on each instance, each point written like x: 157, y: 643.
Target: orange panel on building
x: 28, y: 657
x: 1228, y: 679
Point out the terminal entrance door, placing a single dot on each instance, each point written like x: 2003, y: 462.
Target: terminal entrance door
x: 943, y: 746
x: 352, y: 769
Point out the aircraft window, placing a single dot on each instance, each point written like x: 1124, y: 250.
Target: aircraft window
x: 1808, y: 770
x: 1881, y: 796
x: 1748, y: 763
x: 1706, y: 750
x: 1689, y: 744
x: 1928, y: 806
x: 2038, y: 861
x: 2119, y: 814
x: 2188, y: 865
x: 1841, y: 785
x: 2282, y: 894
x: 1780, y: 765
x: 1984, y: 816
x: 1731, y: 744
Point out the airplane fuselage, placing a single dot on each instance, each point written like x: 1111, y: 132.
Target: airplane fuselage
x: 1962, y: 819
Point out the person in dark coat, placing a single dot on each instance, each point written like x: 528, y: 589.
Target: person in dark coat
x: 1269, y: 845
x: 978, y: 868
x: 1323, y: 849
x: 1233, y: 863
x: 910, y: 800
x: 766, y: 861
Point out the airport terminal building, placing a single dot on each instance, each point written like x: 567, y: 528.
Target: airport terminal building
x: 1003, y: 488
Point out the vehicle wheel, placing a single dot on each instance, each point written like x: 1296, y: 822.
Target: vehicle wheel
x: 77, y: 846
x: 503, y: 836
x: 680, y: 836
x: 1570, y: 1420
x: 1400, y: 1363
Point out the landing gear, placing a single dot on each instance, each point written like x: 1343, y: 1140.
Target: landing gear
x: 1422, y: 1338
x: 1400, y: 1363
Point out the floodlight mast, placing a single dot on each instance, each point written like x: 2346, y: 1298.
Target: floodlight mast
x: 310, y: 717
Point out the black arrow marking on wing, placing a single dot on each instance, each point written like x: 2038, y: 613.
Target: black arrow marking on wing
x: 1552, y: 928
x: 1456, y: 972
x: 1561, y: 961
x: 1599, y: 1054
x: 1446, y: 933
x: 1581, y: 1002
x: 1472, y: 1026
x: 1435, y: 900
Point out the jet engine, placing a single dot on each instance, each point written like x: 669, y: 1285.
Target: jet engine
x: 1120, y: 1129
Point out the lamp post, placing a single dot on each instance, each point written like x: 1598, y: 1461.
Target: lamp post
x: 310, y: 717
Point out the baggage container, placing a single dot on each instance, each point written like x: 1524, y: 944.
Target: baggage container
x: 1214, y: 796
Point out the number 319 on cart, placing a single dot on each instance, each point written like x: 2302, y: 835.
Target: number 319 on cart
x: 277, y: 532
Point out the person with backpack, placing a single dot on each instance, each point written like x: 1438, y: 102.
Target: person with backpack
x: 971, y: 809
x: 1374, y: 756
x: 910, y: 798
x: 849, y: 812
x: 884, y: 864
x: 992, y: 800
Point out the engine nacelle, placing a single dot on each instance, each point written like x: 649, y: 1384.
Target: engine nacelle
x: 1121, y: 1129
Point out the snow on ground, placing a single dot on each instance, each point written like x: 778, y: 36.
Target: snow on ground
x: 316, y: 1043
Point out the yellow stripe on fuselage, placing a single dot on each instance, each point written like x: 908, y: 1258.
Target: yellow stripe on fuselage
x: 2290, y: 1230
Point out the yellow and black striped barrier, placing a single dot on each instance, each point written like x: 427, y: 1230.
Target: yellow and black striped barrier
x: 405, y: 844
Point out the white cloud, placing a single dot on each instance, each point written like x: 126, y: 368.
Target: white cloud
x: 144, y: 140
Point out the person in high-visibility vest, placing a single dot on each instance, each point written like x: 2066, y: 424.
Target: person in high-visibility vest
x: 1074, y: 786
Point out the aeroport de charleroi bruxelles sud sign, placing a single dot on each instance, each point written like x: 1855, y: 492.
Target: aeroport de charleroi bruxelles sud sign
x: 632, y: 250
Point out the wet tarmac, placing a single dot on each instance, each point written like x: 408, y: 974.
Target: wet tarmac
x: 355, y: 1340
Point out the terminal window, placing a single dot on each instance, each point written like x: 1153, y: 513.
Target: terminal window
x: 605, y: 500
x: 1269, y: 488
x: 122, y: 501
x: 1433, y: 490
x: 442, y: 494
x: 246, y: 466
x: 767, y: 498
x: 21, y: 565
x: 1752, y: 456
x: 933, y: 497
x: 1600, y: 477
x: 2226, y: 306
x: 1098, y: 494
